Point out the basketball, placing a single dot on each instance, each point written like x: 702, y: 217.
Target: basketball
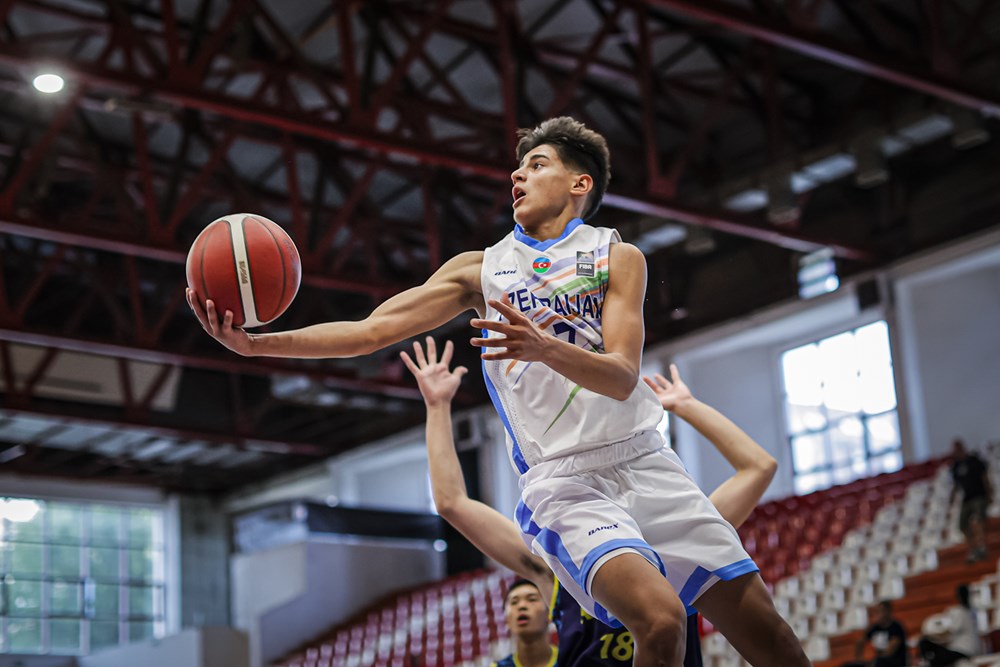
x: 247, y: 264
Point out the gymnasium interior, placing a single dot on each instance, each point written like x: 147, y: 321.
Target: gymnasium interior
x: 815, y: 185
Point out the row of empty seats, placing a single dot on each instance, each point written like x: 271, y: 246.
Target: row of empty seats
x: 784, y: 536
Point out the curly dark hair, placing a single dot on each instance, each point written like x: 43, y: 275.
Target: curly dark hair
x: 580, y: 149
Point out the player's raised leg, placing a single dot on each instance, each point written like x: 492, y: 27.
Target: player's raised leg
x: 744, y: 613
x: 632, y: 589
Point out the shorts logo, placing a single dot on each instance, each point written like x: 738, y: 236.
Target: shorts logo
x: 541, y: 264
x: 585, y: 264
x: 505, y: 272
x: 600, y: 528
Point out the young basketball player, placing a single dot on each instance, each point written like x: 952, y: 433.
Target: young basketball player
x: 527, y: 618
x: 608, y: 508
x: 583, y: 640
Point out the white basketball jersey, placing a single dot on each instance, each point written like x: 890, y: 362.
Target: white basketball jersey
x: 560, y: 284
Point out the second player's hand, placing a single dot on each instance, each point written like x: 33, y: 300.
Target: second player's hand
x: 437, y: 383
x: 234, y: 338
x: 521, y: 338
x: 671, y: 393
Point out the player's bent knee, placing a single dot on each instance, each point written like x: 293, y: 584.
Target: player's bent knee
x: 661, y: 633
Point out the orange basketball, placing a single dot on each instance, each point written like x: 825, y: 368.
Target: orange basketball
x: 247, y: 264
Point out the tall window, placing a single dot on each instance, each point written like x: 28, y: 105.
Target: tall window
x: 840, y: 404
x: 77, y: 577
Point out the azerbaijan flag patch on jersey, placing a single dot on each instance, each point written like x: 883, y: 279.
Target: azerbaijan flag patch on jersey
x: 541, y: 264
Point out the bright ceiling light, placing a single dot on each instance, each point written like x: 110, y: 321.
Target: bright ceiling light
x: 48, y: 83
x: 19, y: 510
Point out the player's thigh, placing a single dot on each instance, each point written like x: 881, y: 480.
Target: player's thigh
x: 742, y: 609
x: 630, y: 587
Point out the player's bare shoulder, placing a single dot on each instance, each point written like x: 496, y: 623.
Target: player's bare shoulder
x: 626, y: 253
x: 625, y: 260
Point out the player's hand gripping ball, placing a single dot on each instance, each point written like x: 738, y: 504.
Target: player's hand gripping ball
x: 247, y: 264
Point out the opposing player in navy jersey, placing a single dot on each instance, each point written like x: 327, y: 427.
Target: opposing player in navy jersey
x: 583, y: 640
x: 526, y: 614
x: 606, y: 505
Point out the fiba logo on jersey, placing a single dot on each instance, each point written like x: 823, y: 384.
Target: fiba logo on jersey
x: 585, y: 264
x: 541, y: 264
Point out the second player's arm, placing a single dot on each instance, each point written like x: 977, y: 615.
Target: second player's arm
x: 453, y: 289
x: 490, y: 531
x: 755, y: 468
x: 737, y: 496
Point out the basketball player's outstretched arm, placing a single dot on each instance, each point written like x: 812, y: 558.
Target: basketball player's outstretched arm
x: 453, y: 289
x: 490, y: 531
x: 737, y: 496
x: 614, y: 373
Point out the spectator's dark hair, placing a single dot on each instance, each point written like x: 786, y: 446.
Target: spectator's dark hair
x: 518, y: 583
x: 962, y: 593
x: 580, y: 149
x: 885, y: 604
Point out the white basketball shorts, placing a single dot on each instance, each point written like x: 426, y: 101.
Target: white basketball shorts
x: 579, y: 511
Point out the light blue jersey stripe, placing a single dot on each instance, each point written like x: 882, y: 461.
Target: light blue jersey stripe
x: 727, y: 573
x: 545, y: 245
x: 516, y: 455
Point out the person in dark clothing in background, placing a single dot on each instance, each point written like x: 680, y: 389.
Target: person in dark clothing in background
x: 886, y: 636
x: 971, y: 475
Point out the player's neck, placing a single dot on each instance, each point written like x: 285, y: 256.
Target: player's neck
x: 534, y: 652
x: 552, y: 228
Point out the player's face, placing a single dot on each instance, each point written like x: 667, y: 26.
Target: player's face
x: 526, y: 612
x: 542, y: 187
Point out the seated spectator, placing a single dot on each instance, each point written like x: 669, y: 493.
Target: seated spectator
x: 951, y: 636
x: 886, y: 636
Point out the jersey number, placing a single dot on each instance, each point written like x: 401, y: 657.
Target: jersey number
x: 622, y: 649
x: 560, y: 328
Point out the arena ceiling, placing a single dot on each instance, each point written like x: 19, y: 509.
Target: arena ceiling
x: 744, y: 135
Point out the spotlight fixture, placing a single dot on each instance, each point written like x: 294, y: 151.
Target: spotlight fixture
x: 817, y: 274
x: 19, y: 510
x: 48, y: 83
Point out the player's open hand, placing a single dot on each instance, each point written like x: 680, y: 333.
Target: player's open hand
x: 437, y: 382
x: 672, y: 392
x: 520, y: 337
x: 222, y: 330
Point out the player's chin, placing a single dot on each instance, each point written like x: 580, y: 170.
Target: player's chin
x: 522, y: 214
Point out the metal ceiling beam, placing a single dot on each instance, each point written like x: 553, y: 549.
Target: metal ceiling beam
x: 821, y: 48
x: 111, y: 243
x: 785, y: 238
x: 433, y: 155
x: 225, y: 362
x: 789, y: 239
x: 78, y: 418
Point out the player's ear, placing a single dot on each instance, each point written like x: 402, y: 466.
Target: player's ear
x: 582, y: 184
